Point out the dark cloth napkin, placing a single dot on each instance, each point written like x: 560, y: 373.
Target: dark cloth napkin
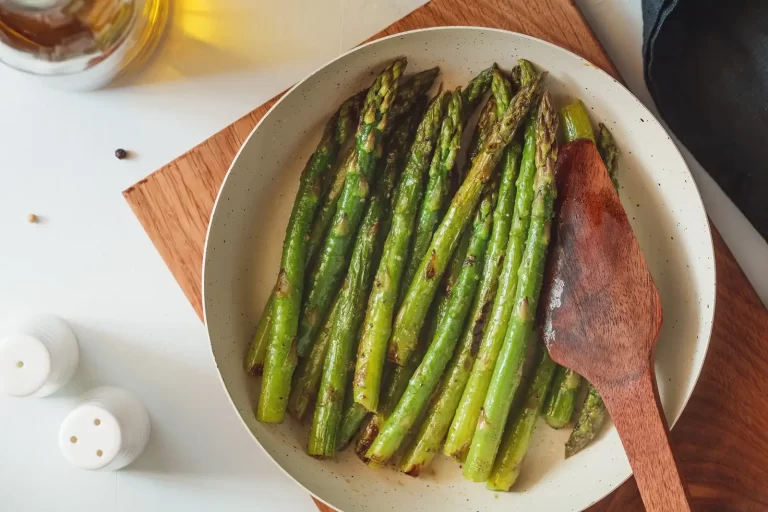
x: 706, y: 66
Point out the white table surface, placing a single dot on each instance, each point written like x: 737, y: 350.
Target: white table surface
x: 90, y: 262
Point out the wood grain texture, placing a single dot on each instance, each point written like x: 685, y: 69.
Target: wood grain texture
x: 602, y: 316
x: 720, y: 440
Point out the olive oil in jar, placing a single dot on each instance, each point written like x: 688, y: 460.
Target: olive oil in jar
x: 79, y: 44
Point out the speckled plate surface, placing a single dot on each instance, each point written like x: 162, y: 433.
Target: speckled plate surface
x: 248, y: 223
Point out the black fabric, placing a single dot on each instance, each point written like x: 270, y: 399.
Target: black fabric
x: 706, y: 66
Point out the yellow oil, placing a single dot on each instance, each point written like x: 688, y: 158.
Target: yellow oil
x: 67, y: 37
x: 155, y: 16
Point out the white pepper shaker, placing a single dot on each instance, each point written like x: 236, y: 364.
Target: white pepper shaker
x: 107, y: 431
x: 39, y: 358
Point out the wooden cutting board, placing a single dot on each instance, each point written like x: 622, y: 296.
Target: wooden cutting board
x: 722, y: 437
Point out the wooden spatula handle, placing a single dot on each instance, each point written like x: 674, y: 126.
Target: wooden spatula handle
x: 636, y: 411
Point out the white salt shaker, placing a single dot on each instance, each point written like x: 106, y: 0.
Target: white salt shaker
x: 107, y: 431
x: 39, y: 358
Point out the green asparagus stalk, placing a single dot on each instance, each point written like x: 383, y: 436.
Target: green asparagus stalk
x: 561, y: 402
x: 310, y: 369
x: 349, y: 114
x: 517, y: 434
x: 508, y: 371
x: 327, y: 420
x: 485, y: 124
x: 343, y: 122
x: 332, y: 262
x: 474, y: 91
x: 397, y: 377
x: 490, y: 327
x: 381, y: 303
x: 411, y: 90
x: 441, y: 412
x: 502, y: 91
x: 438, y: 418
x: 438, y: 185
x: 421, y: 291
x: 470, y: 99
x: 307, y: 377
x: 353, y: 417
x: 394, y: 385
x: 574, y: 119
x: 327, y: 210
x: 446, y: 289
x: 606, y: 145
x: 590, y: 420
x: 427, y: 375
x: 523, y: 73
x: 280, y: 360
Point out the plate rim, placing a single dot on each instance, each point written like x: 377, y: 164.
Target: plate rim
x: 711, y: 248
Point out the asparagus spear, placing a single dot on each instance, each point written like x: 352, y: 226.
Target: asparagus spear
x: 590, y: 420
x: 281, y: 358
x: 307, y: 379
x: 502, y: 91
x: 349, y: 114
x: 326, y: 423
x: 343, y: 124
x: 445, y: 292
x: 332, y: 261
x: 425, y: 379
x: 485, y: 124
x: 509, y: 367
x: 523, y: 73
x: 438, y: 185
x: 325, y: 213
x: 474, y: 91
x: 438, y: 418
x: 606, y: 145
x: 398, y: 377
x: 488, y: 333
x: 517, y: 434
x: 310, y: 368
x: 441, y: 412
x: 575, y: 122
x: 561, y: 402
x: 422, y: 289
x: 593, y: 411
x: 470, y: 99
x: 381, y: 303
x: 394, y: 384
x: 411, y: 91
x: 353, y: 417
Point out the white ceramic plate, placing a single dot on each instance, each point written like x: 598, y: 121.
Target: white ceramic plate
x: 248, y: 223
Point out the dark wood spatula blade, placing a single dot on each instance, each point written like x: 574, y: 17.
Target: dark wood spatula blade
x: 602, y: 311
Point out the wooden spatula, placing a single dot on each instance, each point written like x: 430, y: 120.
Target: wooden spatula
x: 602, y: 316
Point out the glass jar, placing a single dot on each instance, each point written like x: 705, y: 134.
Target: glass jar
x: 79, y: 44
